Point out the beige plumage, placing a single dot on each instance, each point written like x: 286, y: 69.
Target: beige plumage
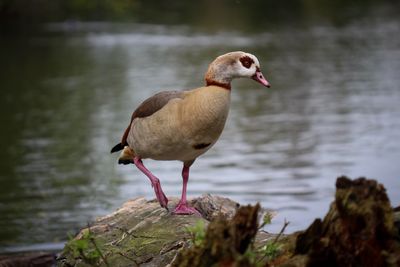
x: 182, y: 125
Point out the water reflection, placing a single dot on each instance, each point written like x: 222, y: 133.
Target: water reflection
x: 333, y: 109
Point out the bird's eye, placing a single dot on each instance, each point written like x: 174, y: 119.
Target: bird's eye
x: 246, y: 61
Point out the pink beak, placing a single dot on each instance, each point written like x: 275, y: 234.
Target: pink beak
x: 259, y: 77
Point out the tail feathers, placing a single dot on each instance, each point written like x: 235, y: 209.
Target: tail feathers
x: 126, y: 156
x: 117, y: 147
x: 125, y: 161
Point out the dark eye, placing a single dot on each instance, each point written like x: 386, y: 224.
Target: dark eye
x: 246, y: 61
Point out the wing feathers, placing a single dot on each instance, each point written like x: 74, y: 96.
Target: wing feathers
x: 148, y: 108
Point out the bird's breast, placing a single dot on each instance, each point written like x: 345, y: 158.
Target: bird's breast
x: 204, y: 114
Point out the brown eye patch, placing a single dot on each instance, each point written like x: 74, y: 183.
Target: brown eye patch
x: 246, y: 61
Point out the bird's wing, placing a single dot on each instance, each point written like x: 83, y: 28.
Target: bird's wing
x: 155, y: 103
x: 147, y: 108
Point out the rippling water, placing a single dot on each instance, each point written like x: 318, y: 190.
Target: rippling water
x: 67, y: 94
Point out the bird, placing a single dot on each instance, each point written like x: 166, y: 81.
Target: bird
x: 182, y: 125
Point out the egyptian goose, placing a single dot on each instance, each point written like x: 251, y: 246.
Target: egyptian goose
x: 182, y: 125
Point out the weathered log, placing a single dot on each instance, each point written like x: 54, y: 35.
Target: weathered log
x: 360, y: 229
x: 225, y: 242
x: 141, y: 233
x: 28, y: 259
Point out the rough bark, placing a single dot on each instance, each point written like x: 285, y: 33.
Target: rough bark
x: 360, y: 229
x: 225, y: 242
x: 33, y: 259
x: 142, y: 233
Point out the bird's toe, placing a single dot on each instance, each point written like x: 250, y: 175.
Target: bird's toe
x: 185, y: 209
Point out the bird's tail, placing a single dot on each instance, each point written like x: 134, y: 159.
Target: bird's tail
x: 126, y: 156
x: 117, y: 147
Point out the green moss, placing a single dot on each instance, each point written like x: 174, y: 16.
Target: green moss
x: 86, y: 248
x: 197, y: 232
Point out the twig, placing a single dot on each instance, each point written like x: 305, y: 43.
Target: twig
x: 286, y: 223
x: 126, y: 233
x: 129, y: 258
x: 97, y: 248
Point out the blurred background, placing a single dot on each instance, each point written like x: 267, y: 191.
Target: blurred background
x: 71, y: 73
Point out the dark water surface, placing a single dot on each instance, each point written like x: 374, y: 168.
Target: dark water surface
x: 67, y: 93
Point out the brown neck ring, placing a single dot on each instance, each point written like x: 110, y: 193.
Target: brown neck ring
x: 226, y: 86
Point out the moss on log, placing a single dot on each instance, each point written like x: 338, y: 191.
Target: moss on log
x: 226, y: 241
x: 141, y: 233
x: 360, y: 229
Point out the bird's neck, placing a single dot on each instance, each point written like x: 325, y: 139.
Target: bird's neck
x: 216, y: 76
x: 210, y: 82
x: 210, y: 106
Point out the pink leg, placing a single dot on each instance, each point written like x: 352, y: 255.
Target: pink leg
x: 155, y: 183
x: 183, y: 207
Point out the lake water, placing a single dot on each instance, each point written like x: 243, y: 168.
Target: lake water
x: 68, y: 90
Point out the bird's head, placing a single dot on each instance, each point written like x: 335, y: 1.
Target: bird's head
x: 233, y: 65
